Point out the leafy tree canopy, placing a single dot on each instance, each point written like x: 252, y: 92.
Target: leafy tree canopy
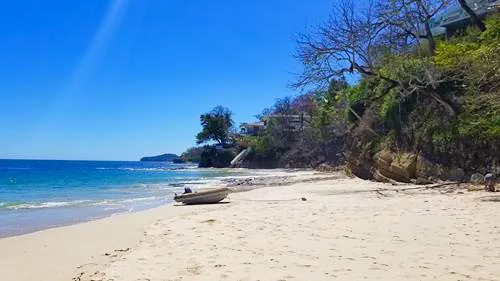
x: 216, y: 126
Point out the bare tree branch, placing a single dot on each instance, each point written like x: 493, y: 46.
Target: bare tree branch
x: 473, y: 16
x: 344, y: 45
x: 411, y: 18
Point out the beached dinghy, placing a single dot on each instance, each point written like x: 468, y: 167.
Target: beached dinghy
x: 203, y: 197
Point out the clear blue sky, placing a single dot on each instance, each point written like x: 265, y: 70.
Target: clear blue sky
x: 120, y: 79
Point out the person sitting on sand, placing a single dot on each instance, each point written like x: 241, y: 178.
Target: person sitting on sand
x: 187, y: 190
x: 489, y: 183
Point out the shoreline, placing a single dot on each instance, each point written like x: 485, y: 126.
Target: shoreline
x: 346, y: 229
x: 61, y: 215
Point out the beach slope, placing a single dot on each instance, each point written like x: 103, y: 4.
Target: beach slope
x: 345, y: 229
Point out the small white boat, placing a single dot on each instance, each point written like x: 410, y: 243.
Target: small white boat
x: 203, y: 197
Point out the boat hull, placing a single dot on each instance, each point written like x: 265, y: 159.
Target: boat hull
x: 203, y: 197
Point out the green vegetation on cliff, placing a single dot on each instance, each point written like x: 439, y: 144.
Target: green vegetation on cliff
x: 216, y: 126
x: 216, y: 130
x: 410, y: 93
x: 192, y: 154
x: 383, y: 94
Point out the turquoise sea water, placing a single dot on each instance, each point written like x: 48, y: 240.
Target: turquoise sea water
x: 39, y: 194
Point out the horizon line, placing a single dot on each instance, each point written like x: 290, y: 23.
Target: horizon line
x: 51, y: 159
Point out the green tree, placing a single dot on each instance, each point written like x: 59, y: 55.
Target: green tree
x: 193, y: 154
x: 216, y: 126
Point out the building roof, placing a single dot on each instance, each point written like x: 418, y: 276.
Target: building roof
x: 457, y: 15
x: 289, y: 116
x: 254, y: 124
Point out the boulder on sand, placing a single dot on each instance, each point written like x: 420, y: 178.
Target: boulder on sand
x: 476, y: 178
x: 359, y: 166
x: 406, y: 164
x: 379, y: 177
x: 400, y: 167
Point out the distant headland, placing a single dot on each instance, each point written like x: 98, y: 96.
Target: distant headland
x: 167, y: 157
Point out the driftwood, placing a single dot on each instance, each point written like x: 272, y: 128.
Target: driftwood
x: 380, y: 190
x: 436, y: 186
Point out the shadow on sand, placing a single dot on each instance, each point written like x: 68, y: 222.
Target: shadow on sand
x: 193, y: 205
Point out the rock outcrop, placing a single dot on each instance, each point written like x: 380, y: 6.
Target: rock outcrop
x: 390, y: 166
x: 359, y: 166
x: 216, y: 158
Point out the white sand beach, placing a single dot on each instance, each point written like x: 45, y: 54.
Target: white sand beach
x: 345, y: 230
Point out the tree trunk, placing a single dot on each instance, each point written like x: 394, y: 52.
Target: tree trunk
x: 474, y: 18
x: 430, y: 39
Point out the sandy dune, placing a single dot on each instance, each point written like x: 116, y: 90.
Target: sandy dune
x: 342, y: 232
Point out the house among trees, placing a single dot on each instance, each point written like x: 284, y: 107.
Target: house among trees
x: 286, y: 122
x: 456, y: 18
x: 252, y: 129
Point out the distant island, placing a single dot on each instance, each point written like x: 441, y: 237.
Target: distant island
x: 167, y: 157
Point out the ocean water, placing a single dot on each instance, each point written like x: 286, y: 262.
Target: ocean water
x: 39, y: 194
